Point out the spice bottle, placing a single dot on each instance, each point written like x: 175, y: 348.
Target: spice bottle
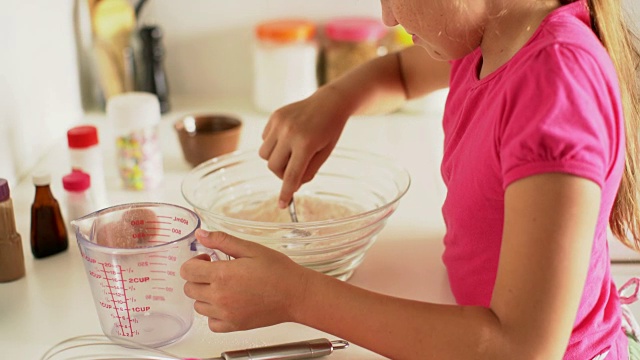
x: 78, y: 201
x: 135, y: 117
x: 85, y: 155
x: 285, y: 62
x: 48, y: 230
x: 11, y: 255
x: 351, y: 42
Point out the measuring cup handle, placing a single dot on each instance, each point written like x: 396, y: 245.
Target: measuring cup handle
x: 201, y: 249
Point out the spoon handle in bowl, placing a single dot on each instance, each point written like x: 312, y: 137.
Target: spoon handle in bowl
x: 292, y: 210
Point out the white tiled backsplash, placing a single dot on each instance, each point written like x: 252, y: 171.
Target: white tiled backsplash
x: 207, y: 43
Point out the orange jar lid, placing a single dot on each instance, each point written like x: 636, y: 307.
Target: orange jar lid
x: 286, y: 30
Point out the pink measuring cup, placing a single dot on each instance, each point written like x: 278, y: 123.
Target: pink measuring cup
x: 132, y: 254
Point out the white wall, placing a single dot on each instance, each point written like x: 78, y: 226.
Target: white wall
x: 39, y: 94
x: 633, y: 6
x: 209, y: 42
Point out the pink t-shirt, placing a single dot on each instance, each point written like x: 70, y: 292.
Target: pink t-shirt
x: 554, y: 107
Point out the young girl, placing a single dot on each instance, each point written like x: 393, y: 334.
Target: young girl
x: 541, y: 95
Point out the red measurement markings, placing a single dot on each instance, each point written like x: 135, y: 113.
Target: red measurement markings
x: 126, y: 303
x: 159, y: 222
x: 158, y: 241
x: 157, y: 233
x: 161, y: 242
x: 166, y: 289
x: 113, y: 300
x: 158, y: 256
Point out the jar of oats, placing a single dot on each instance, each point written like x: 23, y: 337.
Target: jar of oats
x: 350, y: 42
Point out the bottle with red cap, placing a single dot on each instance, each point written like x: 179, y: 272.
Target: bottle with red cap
x: 85, y: 155
x: 11, y: 255
x: 78, y: 200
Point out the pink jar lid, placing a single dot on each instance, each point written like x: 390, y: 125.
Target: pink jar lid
x: 355, y: 29
x: 76, y: 181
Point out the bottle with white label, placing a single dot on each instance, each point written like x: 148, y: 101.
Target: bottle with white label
x: 77, y: 198
x: 85, y: 155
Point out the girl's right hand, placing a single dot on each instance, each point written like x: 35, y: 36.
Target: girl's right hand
x: 299, y: 137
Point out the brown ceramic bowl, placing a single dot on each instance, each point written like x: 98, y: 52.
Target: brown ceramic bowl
x: 206, y: 136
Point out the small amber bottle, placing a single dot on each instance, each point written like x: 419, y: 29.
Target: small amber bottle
x: 48, y: 230
x: 11, y: 255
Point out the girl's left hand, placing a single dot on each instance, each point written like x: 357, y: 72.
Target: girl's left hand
x: 260, y: 287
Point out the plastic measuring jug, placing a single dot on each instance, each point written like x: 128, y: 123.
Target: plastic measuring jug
x: 132, y: 254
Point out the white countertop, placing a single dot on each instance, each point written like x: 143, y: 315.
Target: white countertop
x: 53, y: 302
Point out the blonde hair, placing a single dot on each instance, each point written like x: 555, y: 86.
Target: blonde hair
x: 608, y: 22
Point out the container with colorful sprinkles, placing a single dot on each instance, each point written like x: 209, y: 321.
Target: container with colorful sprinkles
x: 135, y: 117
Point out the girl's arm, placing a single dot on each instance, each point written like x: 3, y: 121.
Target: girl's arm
x: 549, y: 228
x: 548, y: 233
x: 299, y: 137
x: 385, y: 83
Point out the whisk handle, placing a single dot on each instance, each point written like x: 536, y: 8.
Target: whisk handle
x: 291, y: 351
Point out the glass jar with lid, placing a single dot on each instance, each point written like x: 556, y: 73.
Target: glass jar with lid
x: 285, y: 62
x: 351, y: 42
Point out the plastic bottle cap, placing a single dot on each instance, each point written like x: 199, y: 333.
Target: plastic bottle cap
x: 41, y: 179
x: 4, y: 190
x: 76, y: 181
x: 286, y: 30
x: 133, y: 110
x: 81, y: 137
x: 355, y: 29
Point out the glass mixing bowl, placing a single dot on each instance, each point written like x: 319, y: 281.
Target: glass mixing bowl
x: 341, y: 211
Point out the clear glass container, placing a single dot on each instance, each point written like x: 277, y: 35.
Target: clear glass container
x: 350, y: 42
x: 340, y: 212
x: 132, y: 255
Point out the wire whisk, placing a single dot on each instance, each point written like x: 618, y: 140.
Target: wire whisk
x: 119, y: 349
x: 295, y: 350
